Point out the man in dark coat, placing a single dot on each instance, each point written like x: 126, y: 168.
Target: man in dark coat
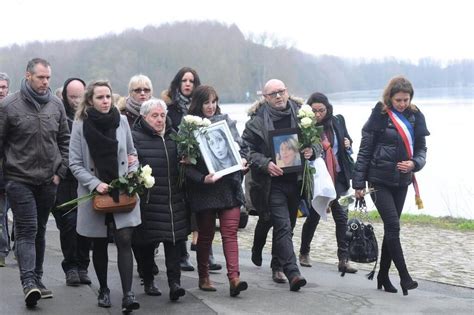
x: 271, y: 190
x: 75, y: 247
x: 34, y: 141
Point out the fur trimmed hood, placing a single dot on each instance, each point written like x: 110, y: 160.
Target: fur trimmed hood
x: 257, y: 104
x: 165, y: 97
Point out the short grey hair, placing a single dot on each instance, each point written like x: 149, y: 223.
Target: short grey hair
x: 152, y: 103
x: 5, y: 77
x: 30, y: 67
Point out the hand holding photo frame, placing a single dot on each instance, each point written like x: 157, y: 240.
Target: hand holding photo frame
x: 219, y: 150
x: 285, y: 150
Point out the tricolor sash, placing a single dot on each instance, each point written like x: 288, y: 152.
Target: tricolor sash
x: 406, y: 132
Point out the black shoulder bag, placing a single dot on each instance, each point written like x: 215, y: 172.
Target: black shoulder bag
x: 363, y: 247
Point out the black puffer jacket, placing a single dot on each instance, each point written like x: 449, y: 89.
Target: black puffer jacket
x: 382, y: 148
x: 163, y: 209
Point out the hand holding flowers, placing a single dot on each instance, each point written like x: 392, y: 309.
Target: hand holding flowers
x: 131, y: 184
x: 188, y: 146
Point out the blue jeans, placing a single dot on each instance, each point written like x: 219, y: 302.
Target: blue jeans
x: 4, y: 236
x: 31, y: 205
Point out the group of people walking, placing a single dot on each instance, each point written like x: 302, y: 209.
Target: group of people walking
x: 54, y: 152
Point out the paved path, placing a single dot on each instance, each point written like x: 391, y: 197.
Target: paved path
x: 326, y: 292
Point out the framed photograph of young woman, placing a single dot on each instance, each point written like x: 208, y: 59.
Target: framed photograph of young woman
x: 285, y: 150
x: 219, y: 150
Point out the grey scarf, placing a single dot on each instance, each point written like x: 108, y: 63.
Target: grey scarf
x: 132, y: 106
x: 271, y: 114
x: 183, y: 102
x: 37, y: 99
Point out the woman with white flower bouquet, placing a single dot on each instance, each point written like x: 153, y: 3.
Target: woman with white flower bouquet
x: 210, y: 196
x: 163, y: 210
x: 100, y: 151
x: 336, y: 144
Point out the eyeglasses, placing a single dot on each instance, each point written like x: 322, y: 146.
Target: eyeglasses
x: 276, y: 93
x: 138, y: 91
x: 320, y: 111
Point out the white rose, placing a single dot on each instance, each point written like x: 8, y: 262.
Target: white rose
x: 306, y: 111
x: 188, y: 118
x: 206, y: 122
x: 306, y: 122
x: 146, y: 170
x: 149, y: 181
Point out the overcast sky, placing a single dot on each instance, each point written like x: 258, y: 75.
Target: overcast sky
x: 404, y: 29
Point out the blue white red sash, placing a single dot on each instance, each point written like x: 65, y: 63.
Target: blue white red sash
x: 407, y: 133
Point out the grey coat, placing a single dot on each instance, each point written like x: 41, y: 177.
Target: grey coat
x: 89, y: 222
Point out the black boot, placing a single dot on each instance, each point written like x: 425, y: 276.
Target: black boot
x: 129, y: 302
x: 184, y: 262
x: 383, y: 279
x: 104, y: 298
x: 396, y: 252
x: 150, y: 288
x: 176, y: 291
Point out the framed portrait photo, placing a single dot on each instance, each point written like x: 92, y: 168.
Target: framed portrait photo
x: 285, y: 150
x: 218, y: 149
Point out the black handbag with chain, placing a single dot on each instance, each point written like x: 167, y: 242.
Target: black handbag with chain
x: 363, y: 247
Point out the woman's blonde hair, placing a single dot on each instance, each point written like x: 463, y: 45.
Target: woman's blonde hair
x: 86, y: 103
x: 140, y: 79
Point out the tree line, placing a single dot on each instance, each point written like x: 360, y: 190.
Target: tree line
x: 236, y: 65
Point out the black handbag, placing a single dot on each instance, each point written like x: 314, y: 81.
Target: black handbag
x: 363, y: 247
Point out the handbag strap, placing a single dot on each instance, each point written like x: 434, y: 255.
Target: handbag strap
x: 361, y: 207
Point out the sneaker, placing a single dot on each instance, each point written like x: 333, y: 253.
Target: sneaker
x: 2, y: 261
x: 103, y: 300
x: 45, y: 293
x: 72, y: 278
x: 32, y: 294
x: 185, y: 264
x: 84, y: 277
x: 129, y: 302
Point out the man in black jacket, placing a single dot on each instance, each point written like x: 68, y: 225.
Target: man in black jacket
x: 271, y: 190
x: 75, y: 247
x: 34, y: 140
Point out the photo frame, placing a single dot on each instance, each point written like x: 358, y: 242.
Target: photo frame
x: 218, y: 149
x: 285, y: 150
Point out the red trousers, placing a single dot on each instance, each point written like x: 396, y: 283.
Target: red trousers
x: 229, y: 224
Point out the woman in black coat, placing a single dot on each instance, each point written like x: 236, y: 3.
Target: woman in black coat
x: 388, y: 165
x: 163, y: 210
x: 336, y: 152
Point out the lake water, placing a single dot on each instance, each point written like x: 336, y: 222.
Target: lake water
x: 446, y: 182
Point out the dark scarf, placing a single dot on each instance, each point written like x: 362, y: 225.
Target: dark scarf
x: 133, y: 107
x: 37, y: 99
x: 100, y: 132
x: 271, y: 115
x: 182, y: 102
x: 70, y: 112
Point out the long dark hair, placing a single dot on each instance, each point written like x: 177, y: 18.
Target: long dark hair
x: 201, y: 95
x: 318, y: 97
x: 175, y: 84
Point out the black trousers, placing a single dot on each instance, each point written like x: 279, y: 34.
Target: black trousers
x: 172, y: 257
x: 340, y: 219
x: 75, y: 248
x: 283, y: 204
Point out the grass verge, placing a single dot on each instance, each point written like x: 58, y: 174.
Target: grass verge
x: 423, y: 219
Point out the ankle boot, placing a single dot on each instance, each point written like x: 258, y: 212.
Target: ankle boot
x: 383, y: 279
x: 236, y: 286
x: 176, y: 291
x: 103, y: 300
x: 205, y: 284
x: 396, y: 252
x: 150, y: 288
x: 129, y: 302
